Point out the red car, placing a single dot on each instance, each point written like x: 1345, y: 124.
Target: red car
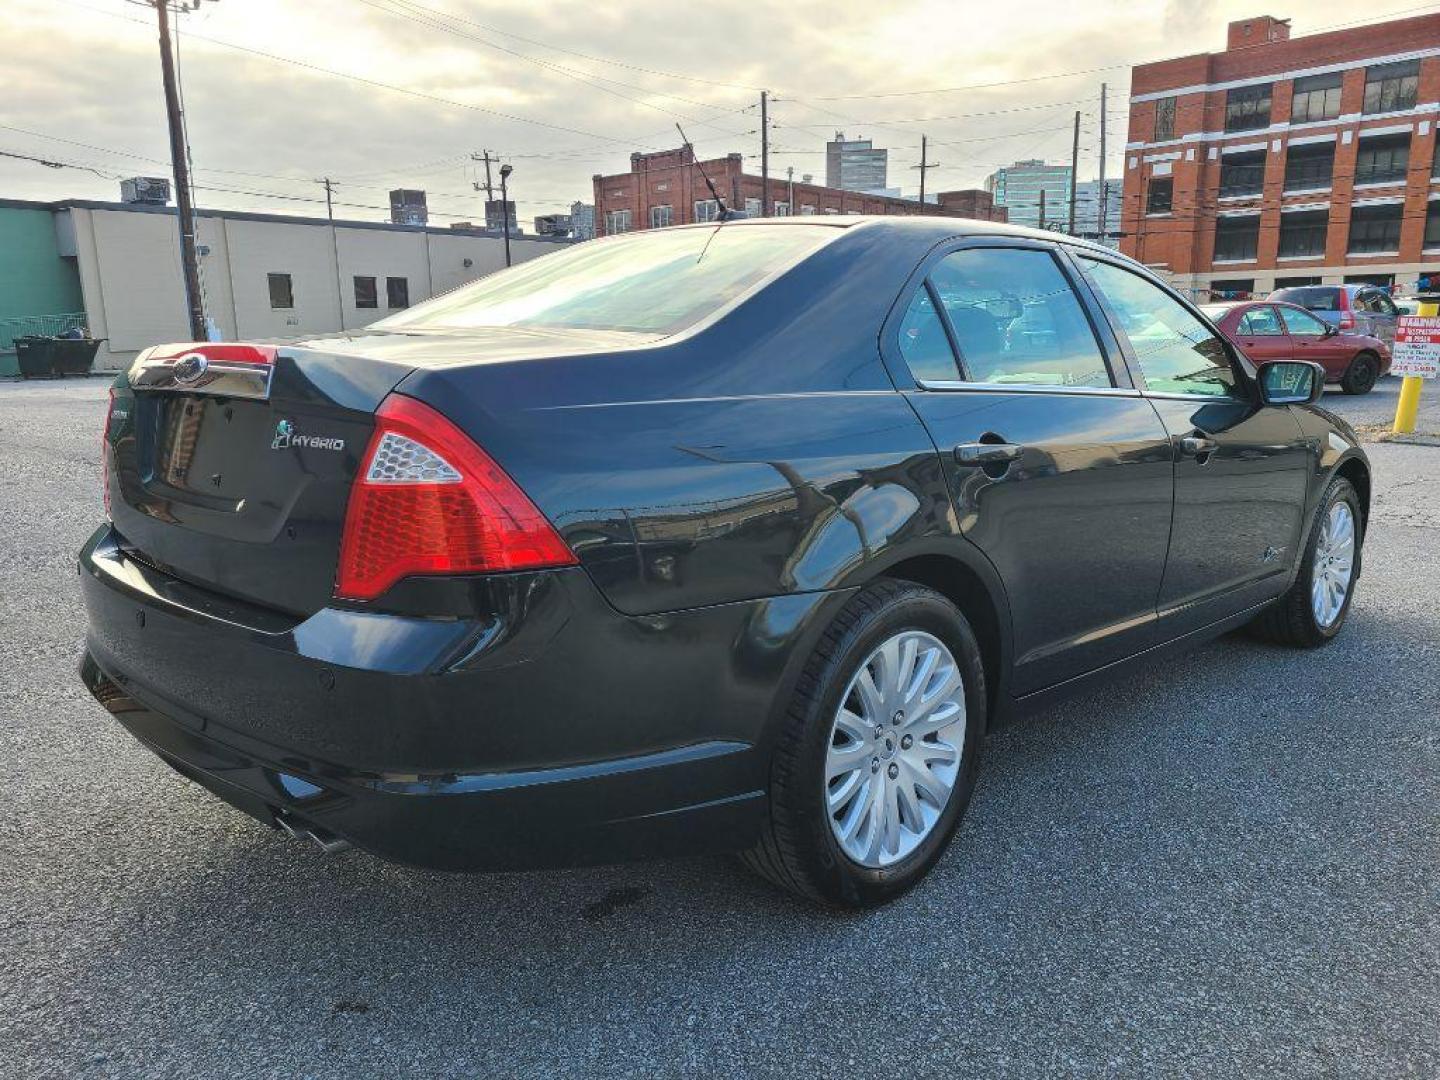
x: 1270, y: 330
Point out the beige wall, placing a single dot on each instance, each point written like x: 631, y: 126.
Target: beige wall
x: 129, y: 263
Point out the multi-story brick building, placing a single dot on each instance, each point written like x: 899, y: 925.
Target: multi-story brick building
x: 667, y: 188
x: 1287, y: 161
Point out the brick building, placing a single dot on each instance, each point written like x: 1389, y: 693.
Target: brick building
x: 1286, y: 161
x: 667, y: 188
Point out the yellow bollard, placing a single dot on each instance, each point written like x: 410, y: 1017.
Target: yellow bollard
x: 1407, y: 409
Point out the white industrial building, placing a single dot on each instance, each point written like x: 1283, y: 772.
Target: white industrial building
x: 263, y: 276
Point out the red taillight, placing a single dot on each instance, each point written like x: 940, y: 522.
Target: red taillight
x: 429, y: 501
x: 1347, y: 321
x: 105, y: 452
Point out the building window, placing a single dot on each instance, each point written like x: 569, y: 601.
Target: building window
x: 1375, y: 228
x: 397, y: 292
x: 1383, y: 159
x: 1303, y: 233
x: 282, y: 292
x: 661, y: 217
x: 365, y: 293
x: 617, y: 221
x: 1159, y: 195
x: 1309, y: 166
x: 752, y: 207
x: 806, y: 211
x: 1164, y: 119
x: 1247, y: 108
x: 782, y: 209
x: 1295, y: 282
x: 707, y: 210
x: 1232, y: 288
x: 1435, y: 157
x: 1236, y: 238
x: 1432, y: 226
x: 1317, y: 97
x: 1242, y: 174
x: 1391, y: 87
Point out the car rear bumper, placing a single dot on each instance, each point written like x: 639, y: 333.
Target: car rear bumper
x: 552, y: 731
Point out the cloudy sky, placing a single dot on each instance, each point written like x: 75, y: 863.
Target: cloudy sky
x: 387, y: 93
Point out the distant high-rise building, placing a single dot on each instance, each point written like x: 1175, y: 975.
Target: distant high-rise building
x: 855, y: 164
x: 407, y: 207
x: 1017, y: 188
x: 582, y: 221
x: 1087, y: 211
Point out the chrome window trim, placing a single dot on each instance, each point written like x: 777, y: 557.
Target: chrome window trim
x: 1026, y: 388
x: 1164, y: 396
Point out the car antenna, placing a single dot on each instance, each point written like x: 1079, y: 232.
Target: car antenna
x: 687, y: 145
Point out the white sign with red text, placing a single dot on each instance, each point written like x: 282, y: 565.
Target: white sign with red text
x: 1417, y: 346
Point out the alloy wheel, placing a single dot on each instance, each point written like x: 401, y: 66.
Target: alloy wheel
x: 1334, y: 565
x: 895, y: 748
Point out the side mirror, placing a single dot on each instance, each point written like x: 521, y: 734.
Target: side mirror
x: 1330, y: 330
x: 1290, y: 382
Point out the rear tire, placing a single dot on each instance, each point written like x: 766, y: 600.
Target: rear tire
x: 1294, y: 619
x: 802, y: 846
x: 1360, y: 376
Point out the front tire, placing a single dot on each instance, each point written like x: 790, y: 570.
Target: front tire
x: 1360, y: 376
x: 877, y: 754
x: 1313, y: 611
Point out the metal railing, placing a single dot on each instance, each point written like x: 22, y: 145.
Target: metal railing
x: 38, y: 325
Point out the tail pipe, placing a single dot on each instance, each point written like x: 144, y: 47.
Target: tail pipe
x: 324, y: 839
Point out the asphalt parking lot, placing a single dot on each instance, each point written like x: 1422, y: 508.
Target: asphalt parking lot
x: 1225, y: 868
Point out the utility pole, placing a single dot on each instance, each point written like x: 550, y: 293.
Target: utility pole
x: 189, y: 261
x: 329, y: 208
x: 1100, y: 195
x: 489, y: 184
x: 764, y: 154
x: 925, y: 165
x: 1074, y: 170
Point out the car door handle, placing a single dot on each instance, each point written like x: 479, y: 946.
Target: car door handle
x: 1196, y: 446
x: 987, y: 453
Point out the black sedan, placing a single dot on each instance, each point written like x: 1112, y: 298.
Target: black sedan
x: 731, y: 537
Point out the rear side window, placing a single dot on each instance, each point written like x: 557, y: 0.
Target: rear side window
x: 1260, y: 322
x: 923, y: 343
x: 1176, y: 352
x: 1016, y: 319
x: 1314, y: 297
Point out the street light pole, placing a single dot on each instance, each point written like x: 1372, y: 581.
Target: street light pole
x: 505, y: 171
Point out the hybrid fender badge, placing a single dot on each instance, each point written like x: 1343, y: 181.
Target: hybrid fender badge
x: 286, y: 436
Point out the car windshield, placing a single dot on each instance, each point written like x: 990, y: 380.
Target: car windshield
x: 1316, y: 298
x: 655, y: 283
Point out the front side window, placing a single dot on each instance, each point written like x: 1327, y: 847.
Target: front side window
x: 1383, y: 159
x: 1247, y: 108
x: 661, y: 216
x: 646, y: 282
x: 1242, y: 174
x: 1391, y: 87
x: 1237, y: 238
x: 397, y: 292
x: 1260, y: 322
x: 282, y: 290
x: 1302, y: 323
x: 923, y: 343
x: 1017, y: 320
x: 1310, y: 166
x: 1164, y: 119
x: 1375, y: 228
x: 1317, y: 97
x: 365, y: 293
x: 1159, y: 196
x: 1302, y: 233
x: 1175, y: 351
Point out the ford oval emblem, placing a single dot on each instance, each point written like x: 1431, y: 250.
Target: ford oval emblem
x: 189, y: 368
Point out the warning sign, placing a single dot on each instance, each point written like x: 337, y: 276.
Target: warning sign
x: 1417, y: 346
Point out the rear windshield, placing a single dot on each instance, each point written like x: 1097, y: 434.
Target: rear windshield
x: 656, y: 282
x: 1314, y: 297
